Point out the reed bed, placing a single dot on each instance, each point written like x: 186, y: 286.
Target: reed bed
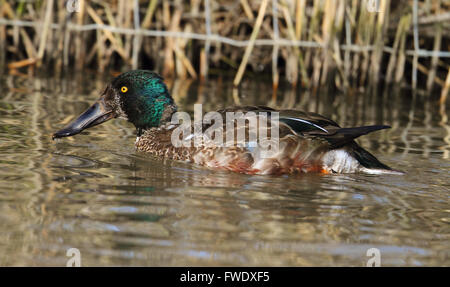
x: 347, y: 43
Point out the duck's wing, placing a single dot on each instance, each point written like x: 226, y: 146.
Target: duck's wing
x: 306, y: 122
x: 310, y: 124
x: 315, y: 125
x: 343, y: 136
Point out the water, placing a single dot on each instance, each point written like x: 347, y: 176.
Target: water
x: 122, y: 208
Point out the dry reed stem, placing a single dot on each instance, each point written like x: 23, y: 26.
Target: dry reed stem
x: 149, y: 14
x: 338, y: 31
x: 207, y: 46
x: 424, y: 70
x: 327, y: 35
x: 275, y: 73
x: 348, y: 42
x: 46, y: 27
x: 79, y: 47
x: 183, y: 62
x: 22, y: 63
x: 247, y: 10
x: 379, y: 41
x: 340, y: 66
x: 366, y: 33
x: 312, y: 30
x: 169, y: 63
x: 29, y: 47
x: 120, y: 50
x: 57, y: 53
x: 445, y: 89
x: 137, y: 39
x: 434, y: 59
x: 401, y: 30
x: 416, y: 44
x: 401, y: 54
x: 249, y: 48
x: 127, y: 23
x: 101, y: 51
x: 298, y: 53
x: 203, y: 64
x: 299, y: 16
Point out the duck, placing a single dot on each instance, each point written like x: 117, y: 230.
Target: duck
x: 300, y: 142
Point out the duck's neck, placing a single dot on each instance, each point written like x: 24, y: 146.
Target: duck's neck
x: 161, y: 114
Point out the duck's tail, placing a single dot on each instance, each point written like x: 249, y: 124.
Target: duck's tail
x: 369, y: 163
x: 343, y: 140
x: 344, y: 136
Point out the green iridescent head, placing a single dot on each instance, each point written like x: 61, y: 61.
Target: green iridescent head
x: 143, y: 98
x: 138, y: 96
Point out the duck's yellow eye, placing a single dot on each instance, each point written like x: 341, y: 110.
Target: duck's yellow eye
x: 124, y: 89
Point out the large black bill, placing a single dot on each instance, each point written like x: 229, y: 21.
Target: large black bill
x: 98, y: 113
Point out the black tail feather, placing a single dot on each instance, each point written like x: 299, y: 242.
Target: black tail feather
x: 366, y: 159
x: 344, y: 136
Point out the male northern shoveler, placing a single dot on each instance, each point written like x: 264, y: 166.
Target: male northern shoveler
x: 308, y: 142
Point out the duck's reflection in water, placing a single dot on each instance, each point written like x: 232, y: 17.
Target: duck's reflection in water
x: 209, y: 214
